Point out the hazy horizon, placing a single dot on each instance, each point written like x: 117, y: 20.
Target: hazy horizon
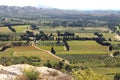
x: 68, y: 4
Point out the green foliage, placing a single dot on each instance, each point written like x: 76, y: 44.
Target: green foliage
x: 87, y: 74
x: 68, y: 68
x: 52, y: 50
x: 19, y: 60
x: 117, y: 53
x: 31, y: 74
x: 58, y: 65
x: 116, y: 46
x: 48, y: 64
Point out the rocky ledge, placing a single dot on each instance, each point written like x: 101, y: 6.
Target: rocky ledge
x: 11, y: 72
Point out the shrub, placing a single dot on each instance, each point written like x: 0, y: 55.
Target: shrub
x: 68, y: 68
x: 30, y: 73
x: 48, y: 64
x: 87, y: 74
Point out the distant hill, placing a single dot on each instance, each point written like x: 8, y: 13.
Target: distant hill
x: 39, y: 10
x: 86, y: 18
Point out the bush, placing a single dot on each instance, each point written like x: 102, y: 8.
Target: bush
x: 87, y: 74
x: 30, y: 73
x: 48, y: 64
x: 68, y: 68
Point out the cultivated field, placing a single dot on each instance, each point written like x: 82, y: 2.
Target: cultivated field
x: 88, y: 35
x: 29, y: 51
x: 109, y: 72
x: 79, y: 47
x: 21, y: 28
x: 5, y: 30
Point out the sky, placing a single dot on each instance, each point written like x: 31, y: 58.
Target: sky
x: 67, y: 4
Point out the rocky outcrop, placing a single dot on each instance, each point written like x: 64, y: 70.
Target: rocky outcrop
x: 11, y: 72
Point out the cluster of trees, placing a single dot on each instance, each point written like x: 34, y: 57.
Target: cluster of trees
x: 101, y: 40
x: 18, y: 44
x: 4, y: 48
x: 65, y: 34
x: 11, y: 37
x: 59, y: 66
x: 33, y: 27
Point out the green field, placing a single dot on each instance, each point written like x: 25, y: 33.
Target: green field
x: 5, y: 30
x: 108, y: 36
x: 109, y: 72
x: 81, y: 53
x: 88, y: 35
x: 72, y: 29
x: 20, y: 28
x: 85, y: 47
x: 29, y: 51
x: 80, y: 47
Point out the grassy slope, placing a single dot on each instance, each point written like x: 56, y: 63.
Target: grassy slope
x: 29, y: 51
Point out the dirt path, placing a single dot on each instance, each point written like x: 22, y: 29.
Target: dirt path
x: 67, y: 62
x: 117, y: 37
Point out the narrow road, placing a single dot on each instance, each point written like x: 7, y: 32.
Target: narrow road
x: 67, y: 62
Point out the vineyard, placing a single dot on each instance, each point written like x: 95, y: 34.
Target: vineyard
x: 76, y: 47
x: 85, y: 47
x: 92, y: 60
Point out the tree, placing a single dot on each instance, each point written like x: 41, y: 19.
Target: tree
x: 110, y: 48
x: 33, y: 27
x: 58, y: 41
x: 52, y: 50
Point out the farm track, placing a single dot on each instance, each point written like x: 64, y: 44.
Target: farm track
x: 67, y: 62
